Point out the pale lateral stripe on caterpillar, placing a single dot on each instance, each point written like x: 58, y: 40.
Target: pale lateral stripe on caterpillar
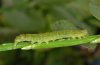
x: 50, y: 36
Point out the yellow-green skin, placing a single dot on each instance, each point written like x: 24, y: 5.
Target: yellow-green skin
x: 51, y: 36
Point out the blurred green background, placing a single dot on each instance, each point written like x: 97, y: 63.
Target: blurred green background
x: 38, y: 16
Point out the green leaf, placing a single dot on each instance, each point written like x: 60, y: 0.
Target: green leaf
x: 27, y: 45
x: 62, y: 25
x: 90, y: 46
x: 95, y: 8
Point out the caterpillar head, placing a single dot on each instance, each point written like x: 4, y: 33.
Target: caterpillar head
x: 17, y: 39
x: 20, y: 38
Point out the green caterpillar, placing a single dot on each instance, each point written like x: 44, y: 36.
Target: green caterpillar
x: 51, y: 36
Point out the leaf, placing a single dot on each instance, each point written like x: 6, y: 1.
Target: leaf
x: 90, y: 46
x: 16, y: 19
x: 95, y: 8
x: 27, y: 46
x: 62, y: 25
